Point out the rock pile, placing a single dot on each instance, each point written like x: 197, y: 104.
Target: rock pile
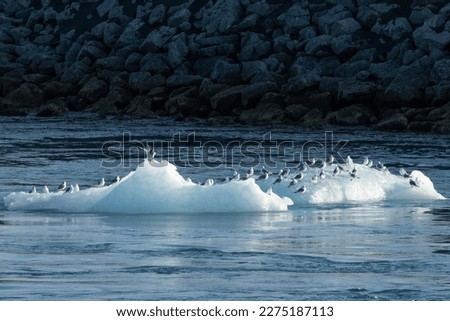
x: 351, y: 62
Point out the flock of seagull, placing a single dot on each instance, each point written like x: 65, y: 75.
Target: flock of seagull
x: 294, y: 178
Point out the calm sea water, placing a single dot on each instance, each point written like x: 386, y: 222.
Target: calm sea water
x: 378, y: 251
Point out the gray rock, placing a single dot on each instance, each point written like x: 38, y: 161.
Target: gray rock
x: 157, y: 15
x: 225, y: 101
x: 141, y: 81
x: 330, y: 84
x: 105, y: 6
x: 397, y: 28
x: 295, y: 18
x: 141, y: 106
x: 319, y: 46
x: 261, y: 8
x: 350, y: 69
x: 75, y: 72
x: 419, y: 15
x: 221, y: 16
x: 345, y: 46
x: 93, y: 50
x: 177, y: 51
x: 356, y: 91
x: 263, y: 114
x: 179, y: 17
x: 255, y: 46
x: 427, y: 39
x: 345, y: 26
x: 395, y: 122
x: 111, y: 63
x: 53, y: 89
x: 112, y: 32
x: 208, y: 89
x: 436, y: 21
x: 93, y: 90
x: 27, y: 95
x: 133, y: 62
x: 157, y: 39
x: 55, y: 107
x: 352, y: 115
x: 226, y: 73
x: 184, y: 80
x: 303, y: 81
x: 411, y: 56
x: 155, y: 63
x: 295, y: 112
x: 313, y: 118
x: 327, y: 21
x: 254, y: 92
x: 438, y: 94
x: 251, y: 68
x: 248, y: 23
x: 384, y: 72
x: 441, y: 71
x: 368, y: 15
x: 130, y: 36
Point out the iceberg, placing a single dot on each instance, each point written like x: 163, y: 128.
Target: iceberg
x: 154, y: 187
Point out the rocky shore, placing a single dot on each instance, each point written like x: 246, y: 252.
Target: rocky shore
x: 351, y: 62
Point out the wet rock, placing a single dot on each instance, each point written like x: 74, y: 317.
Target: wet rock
x: 252, y: 68
x: 419, y: 15
x: 295, y: 112
x: 407, y: 87
x: 356, y: 91
x: 255, y: 46
x: 55, y: 107
x: 345, y: 26
x: 141, y: 106
x: 369, y: 15
x: 226, y: 73
x: 105, y: 6
x: 157, y: 15
x: 350, y: 69
x: 157, y: 39
x: 133, y: 62
x: 306, y: 80
x: 313, y: 118
x: 345, y: 46
x: 155, y: 63
x: 53, y: 89
x: 177, y: 51
x: 93, y: 90
x: 225, y: 101
x: 427, y: 39
x: 441, y: 71
x: 179, y: 17
x: 141, y: 81
x: 397, y: 28
x: 27, y: 95
x: 111, y: 63
x: 113, y: 32
x: 262, y: 114
x: 184, y: 80
x: 352, y: 115
x: 438, y: 94
x: 327, y: 21
x: 319, y: 46
x: 395, y: 122
x: 254, y: 92
x: 295, y: 18
x: 221, y: 16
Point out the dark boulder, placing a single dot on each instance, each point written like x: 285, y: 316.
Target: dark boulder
x: 27, y: 95
x: 226, y: 73
x: 396, y: 121
x: 225, y: 101
x: 262, y: 114
x: 55, y: 107
x: 352, y: 115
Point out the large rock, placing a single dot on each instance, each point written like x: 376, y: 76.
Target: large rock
x: 319, y: 46
x: 221, y: 16
x: 345, y: 46
x: 26, y: 96
x: 157, y: 39
x: 262, y: 114
x: 55, y: 107
x: 327, y: 21
x: 141, y: 106
x: 93, y: 90
x: 397, y: 28
x: 395, y: 122
x: 252, y: 68
x: 184, y: 80
x: 295, y: 112
x: 111, y: 63
x: 225, y: 101
x: 369, y: 15
x: 441, y: 71
x: 255, y: 46
x: 157, y: 15
x: 142, y: 81
x: 303, y: 81
x: 345, y: 26
x: 356, y: 91
x: 427, y: 39
x: 177, y: 51
x: 352, y: 115
x: 406, y: 89
x: 254, y: 92
x: 226, y: 73
x: 295, y: 18
x: 419, y: 15
x: 438, y: 94
x: 155, y: 63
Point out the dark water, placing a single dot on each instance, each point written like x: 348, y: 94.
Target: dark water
x: 378, y: 251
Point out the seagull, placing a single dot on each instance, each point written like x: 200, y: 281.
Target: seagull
x: 315, y: 179
x: 311, y: 162
x: 322, y: 175
x: 45, y: 189
x: 370, y: 164
x: 349, y: 161
x: 250, y: 172
x: 115, y: 180
x: 100, y: 183
x: 208, y: 182
x: 320, y: 164
x: 404, y: 173
x: 278, y: 180
x: 236, y: 176
x: 264, y: 170
x: 299, y: 176
x: 414, y: 182
x: 33, y: 190
x: 76, y: 188
x: 303, y: 167
x: 293, y: 182
x: 336, y: 171
x: 301, y: 190
x: 263, y: 177
x: 330, y: 160
x: 63, y: 186
x: 69, y: 189
x: 149, y: 152
x: 284, y: 172
x: 269, y: 191
x: 366, y: 161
